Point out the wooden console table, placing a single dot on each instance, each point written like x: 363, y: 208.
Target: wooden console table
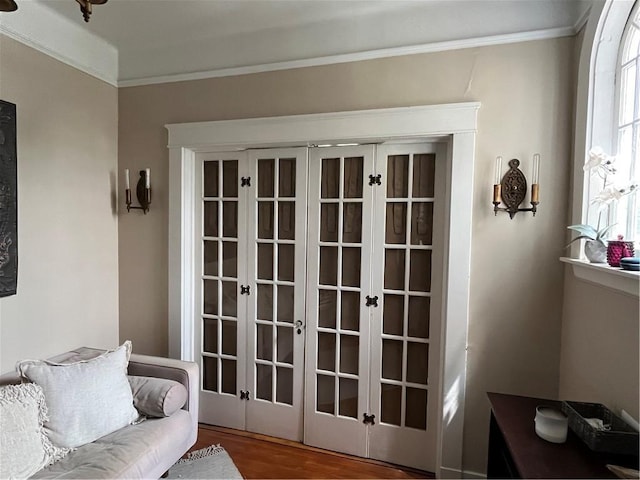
x: 515, y: 451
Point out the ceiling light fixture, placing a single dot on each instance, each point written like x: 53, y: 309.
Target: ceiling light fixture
x: 85, y: 6
x: 8, y: 6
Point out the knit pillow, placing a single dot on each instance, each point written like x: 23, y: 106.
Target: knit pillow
x: 24, y: 446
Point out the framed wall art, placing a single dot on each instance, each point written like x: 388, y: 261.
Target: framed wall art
x: 8, y: 200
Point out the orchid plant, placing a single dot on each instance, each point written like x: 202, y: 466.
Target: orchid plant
x: 601, y: 164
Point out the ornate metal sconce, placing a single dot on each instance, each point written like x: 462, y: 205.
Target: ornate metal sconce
x: 511, y: 189
x: 143, y: 190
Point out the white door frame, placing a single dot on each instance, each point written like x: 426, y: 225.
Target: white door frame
x: 455, y: 123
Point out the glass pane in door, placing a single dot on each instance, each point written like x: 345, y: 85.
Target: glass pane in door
x: 219, y: 271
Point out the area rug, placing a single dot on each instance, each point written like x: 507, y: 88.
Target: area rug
x: 210, y: 462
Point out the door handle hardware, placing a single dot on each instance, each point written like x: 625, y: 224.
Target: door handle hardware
x: 369, y: 419
x: 299, y: 327
x: 245, y: 290
x: 245, y: 394
x: 245, y: 181
x: 371, y: 301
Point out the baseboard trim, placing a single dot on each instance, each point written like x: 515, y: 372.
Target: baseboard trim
x: 456, y: 473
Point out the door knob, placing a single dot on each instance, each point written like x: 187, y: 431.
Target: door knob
x: 298, y: 325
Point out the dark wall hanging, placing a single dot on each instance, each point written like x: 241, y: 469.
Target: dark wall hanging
x: 8, y: 200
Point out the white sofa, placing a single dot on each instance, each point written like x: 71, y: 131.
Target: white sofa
x: 143, y: 450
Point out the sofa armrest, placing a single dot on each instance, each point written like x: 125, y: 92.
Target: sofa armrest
x: 186, y: 373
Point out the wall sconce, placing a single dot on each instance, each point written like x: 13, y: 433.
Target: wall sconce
x: 512, y: 187
x: 143, y: 190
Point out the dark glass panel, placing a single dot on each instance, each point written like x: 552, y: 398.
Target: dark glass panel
x: 210, y: 179
x: 287, y: 180
x: 229, y: 337
x: 210, y: 374
x: 398, y: 176
x: 266, y: 177
x: 210, y: 219
x: 393, y: 315
x: 230, y: 178
x: 391, y: 404
x: 353, y: 177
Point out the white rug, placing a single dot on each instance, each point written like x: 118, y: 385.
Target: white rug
x: 210, y: 462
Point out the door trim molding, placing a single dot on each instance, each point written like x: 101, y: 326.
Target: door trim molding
x: 456, y: 123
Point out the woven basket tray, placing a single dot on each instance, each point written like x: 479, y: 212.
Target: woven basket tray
x: 620, y: 439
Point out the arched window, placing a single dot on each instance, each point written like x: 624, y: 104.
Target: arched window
x: 626, y: 212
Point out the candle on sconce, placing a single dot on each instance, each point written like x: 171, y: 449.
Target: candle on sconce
x: 148, y: 178
x: 497, y: 187
x: 126, y: 179
x: 498, y: 174
x: 535, y: 179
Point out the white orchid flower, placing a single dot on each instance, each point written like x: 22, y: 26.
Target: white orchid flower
x: 599, y: 161
x: 612, y: 194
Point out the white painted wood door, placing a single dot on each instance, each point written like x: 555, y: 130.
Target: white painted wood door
x: 251, y: 231
x: 408, y: 233
x: 277, y: 230
x: 220, y: 323
x: 376, y: 236
x: 339, y: 277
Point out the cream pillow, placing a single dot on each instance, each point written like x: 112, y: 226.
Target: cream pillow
x: 24, y: 447
x: 86, y: 399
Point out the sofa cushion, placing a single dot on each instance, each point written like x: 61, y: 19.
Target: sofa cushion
x: 144, y: 450
x: 24, y: 447
x: 157, y: 397
x: 86, y: 399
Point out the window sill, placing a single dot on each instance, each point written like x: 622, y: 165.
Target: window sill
x: 623, y: 281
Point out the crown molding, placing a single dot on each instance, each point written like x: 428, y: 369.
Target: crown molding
x: 39, y: 27
x: 360, y: 56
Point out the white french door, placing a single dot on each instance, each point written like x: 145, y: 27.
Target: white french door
x: 251, y: 226
x: 356, y: 288
x: 373, y: 301
x: 220, y: 323
x: 339, y: 280
x: 408, y: 243
x: 276, y: 268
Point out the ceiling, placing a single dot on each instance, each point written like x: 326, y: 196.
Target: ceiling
x: 150, y: 41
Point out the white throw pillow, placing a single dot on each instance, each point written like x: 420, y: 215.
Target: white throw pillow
x: 24, y: 447
x: 88, y: 399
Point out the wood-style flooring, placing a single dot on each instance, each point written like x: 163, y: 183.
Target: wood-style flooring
x: 260, y: 456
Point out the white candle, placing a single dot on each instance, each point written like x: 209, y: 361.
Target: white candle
x: 126, y: 179
x: 536, y: 169
x: 498, y: 175
x: 148, y: 184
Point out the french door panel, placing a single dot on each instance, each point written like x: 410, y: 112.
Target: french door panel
x: 219, y: 322
x: 339, y: 252
x: 409, y: 214
x: 320, y: 285
x: 276, y: 269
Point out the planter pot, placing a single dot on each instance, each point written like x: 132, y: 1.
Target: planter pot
x: 595, y: 251
x: 618, y: 249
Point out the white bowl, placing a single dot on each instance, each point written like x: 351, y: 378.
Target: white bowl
x: 551, y: 424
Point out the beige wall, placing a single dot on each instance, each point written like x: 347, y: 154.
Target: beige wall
x: 516, y: 284
x: 600, y: 338
x: 67, y: 227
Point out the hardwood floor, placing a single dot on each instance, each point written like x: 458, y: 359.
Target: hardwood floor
x: 260, y: 456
